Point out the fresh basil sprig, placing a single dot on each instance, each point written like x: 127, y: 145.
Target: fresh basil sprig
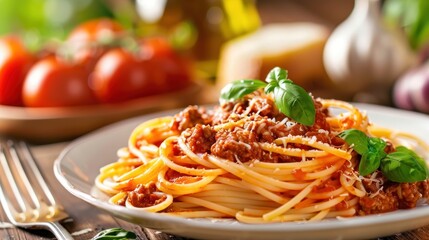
x: 114, y: 234
x: 402, y: 165
x: 240, y: 88
x: 357, y: 139
x: 291, y: 99
x: 371, y: 160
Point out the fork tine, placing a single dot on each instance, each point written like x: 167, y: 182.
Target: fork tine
x: 23, y: 176
x: 3, y: 199
x: 37, y: 200
x: 13, y: 186
x: 17, y: 164
x: 35, y: 170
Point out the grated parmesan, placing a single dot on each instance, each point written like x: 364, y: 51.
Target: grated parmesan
x: 260, y: 128
x: 376, y: 193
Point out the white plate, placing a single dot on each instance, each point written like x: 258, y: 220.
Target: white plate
x: 78, y: 165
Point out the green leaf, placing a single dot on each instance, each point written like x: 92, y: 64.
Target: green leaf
x: 294, y: 102
x: 238, y: 89
x: 275, y: 78
x: 404, y: 165
x: 270, y: 87
x: 368, y: 164
x: 276, y: 74
x: 371, y: 149
x: 371, y: 160
x: 376, y: 147
x: 114, y: 234
x: 291, y: 99
x: 357, y: 139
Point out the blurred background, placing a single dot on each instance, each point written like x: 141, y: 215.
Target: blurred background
x: 122, y: 50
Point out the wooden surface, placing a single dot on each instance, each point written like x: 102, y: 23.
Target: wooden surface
x: 86, y: 221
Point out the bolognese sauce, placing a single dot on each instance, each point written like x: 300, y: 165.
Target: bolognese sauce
x: 265, y: 124
x: 246, y: 159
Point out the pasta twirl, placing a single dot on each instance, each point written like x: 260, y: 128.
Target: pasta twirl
x: 248, y: 161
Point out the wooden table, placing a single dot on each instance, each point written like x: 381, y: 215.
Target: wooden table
x: 86, y: 220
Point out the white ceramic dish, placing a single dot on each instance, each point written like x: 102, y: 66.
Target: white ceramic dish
x: 78, y: 165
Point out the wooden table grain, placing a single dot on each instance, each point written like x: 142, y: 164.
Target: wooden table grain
x: 86, y: 220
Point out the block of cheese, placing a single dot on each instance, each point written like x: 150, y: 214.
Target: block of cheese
x: 296, y: 47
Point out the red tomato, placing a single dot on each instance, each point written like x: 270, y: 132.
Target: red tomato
x: 95, y: 30
x: 119, y: 75
x: 87, y: 41
x: 157, y: 47
x: 15, y: 61
x: 52, y: 82
x: 176, y: 70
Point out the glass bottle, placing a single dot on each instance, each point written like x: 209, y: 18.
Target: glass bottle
x: 198, y: 27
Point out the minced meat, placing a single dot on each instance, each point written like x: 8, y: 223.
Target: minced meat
x: 143, y: 196
x: 264, y: 123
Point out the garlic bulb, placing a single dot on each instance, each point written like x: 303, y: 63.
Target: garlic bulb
x: 362, y: 52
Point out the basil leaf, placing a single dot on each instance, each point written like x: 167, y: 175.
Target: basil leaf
x: 357, y: 139
x: 404, y: 165
x: 376, y: 147
x: 294, y: 102
x: 291, y: 99
x: 276, y: 74
x: 371, y: 160
x: 371, y: 149
x: 419, y: 159
x: 271, y: 86
x: 238, y: 89
x: 275, y: 77
x: 368, y: 164
x: 114, y: 234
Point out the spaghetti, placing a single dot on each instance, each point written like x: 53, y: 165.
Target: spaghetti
x: 246, y: 160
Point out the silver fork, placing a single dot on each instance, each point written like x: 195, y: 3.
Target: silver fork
x: 24, y: 194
